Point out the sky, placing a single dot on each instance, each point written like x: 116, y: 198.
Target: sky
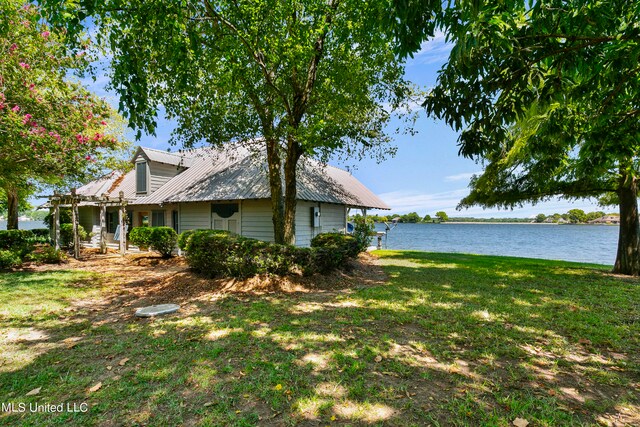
x: 425, y: 176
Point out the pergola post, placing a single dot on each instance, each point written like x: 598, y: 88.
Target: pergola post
x: 123, y: 224
x: 56, y: 224
x: 103, y: 228
x: 75, y: 219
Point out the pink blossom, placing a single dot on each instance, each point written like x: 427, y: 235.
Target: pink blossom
x: 45, y: 34
x: 26, y: 119
x: 13, y: 47
x: 97, y: 136
x: 88, y: 158
x: 15, y: 109
x: 103, y: 123
x: 25, y: 65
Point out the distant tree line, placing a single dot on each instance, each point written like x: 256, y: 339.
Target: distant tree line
x: 574, y: 216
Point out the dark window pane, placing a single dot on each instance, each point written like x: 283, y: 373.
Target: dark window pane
x: 141, y: 177
x: 157, y: 218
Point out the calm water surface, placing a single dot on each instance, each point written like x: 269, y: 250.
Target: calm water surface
x: 24, y: 225
x: 583, y: 243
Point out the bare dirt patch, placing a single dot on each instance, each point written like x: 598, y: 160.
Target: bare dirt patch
x: 145, y: 278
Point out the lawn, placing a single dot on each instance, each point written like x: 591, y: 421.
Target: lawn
x: 449, y: 339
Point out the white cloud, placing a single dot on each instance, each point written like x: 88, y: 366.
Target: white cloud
x: 461, y: 176
x: 436, y: 49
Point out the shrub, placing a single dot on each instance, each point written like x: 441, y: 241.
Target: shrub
x: 41, y: 232
x: 140, y: 236
x: 9, y: 259
x: 159, y: 239
x: 66, y: 234
x: 163, y: 240
x: 48, y: 255
x: 347, y: 245
x: 11, y: 239
x: 220, y: 253
x: 183, y: 238
x: 362, y: 231
x: 65, y: 217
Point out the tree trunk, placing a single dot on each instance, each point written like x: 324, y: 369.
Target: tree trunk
x: 628, y: 256
x: 291, y: 192
x: 275, y: 185
x: 12, y: 208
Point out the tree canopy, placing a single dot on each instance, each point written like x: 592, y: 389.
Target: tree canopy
x: 52, y: 131
x: 304, y: 78
x: 546, y: 93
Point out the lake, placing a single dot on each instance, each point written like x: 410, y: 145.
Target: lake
x: 582, y: 243
x: 24, y: 225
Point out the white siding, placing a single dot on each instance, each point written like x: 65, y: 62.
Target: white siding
x: 332, y: 217
x: 304, y: 231
x: 195, y: 216
x: 256, y: 220
x: 159, y: 174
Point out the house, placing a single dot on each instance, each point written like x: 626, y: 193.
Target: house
x: 223, y: 188
x: 606, y: 219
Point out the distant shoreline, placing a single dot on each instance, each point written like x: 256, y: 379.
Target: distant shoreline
x: 499, y: 222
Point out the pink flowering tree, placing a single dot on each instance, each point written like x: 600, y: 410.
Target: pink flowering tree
x: 53, y: 132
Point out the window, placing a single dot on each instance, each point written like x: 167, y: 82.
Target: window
x: 141, y: 177
x: 224, y: 210
x: 174, y: 220
x: 157, y: 218
x: 112, y: 221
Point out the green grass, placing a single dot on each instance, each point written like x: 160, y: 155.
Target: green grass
x: 450, y: 340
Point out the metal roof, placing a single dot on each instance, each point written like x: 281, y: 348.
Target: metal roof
x: 182, y: 158
x: 248, y: 179
x: 99, y: 186
x: 234, y: 172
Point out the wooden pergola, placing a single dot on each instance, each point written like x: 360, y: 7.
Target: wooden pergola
x: 71, y: 200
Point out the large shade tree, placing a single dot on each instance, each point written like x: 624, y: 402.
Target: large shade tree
x: 304, y: 78
x: 547, y: 94
x: 52, y: 131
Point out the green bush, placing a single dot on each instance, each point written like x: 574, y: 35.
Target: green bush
x: 347, y: 245
x: 363, y: 230
x: 11, y: 239
x: 66, y: 235
x: 140, y: 236
x: 41, y: 232
x: 48, y: 255
x: 65, y: 218
x: 220, y: 253
x: 183, y: 238
x: 159, y: 239
x: 9, y: 259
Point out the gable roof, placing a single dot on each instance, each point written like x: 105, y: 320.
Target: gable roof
x: 235, y: 173
x: 182, y: 158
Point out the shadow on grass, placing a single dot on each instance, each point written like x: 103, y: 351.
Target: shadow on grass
x: 450, y: 340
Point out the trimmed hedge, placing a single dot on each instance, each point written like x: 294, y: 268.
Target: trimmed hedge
x: 221, y: 253
x: 159, y: 239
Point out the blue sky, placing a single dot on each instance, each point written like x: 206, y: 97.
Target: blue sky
x: 426, y: 175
